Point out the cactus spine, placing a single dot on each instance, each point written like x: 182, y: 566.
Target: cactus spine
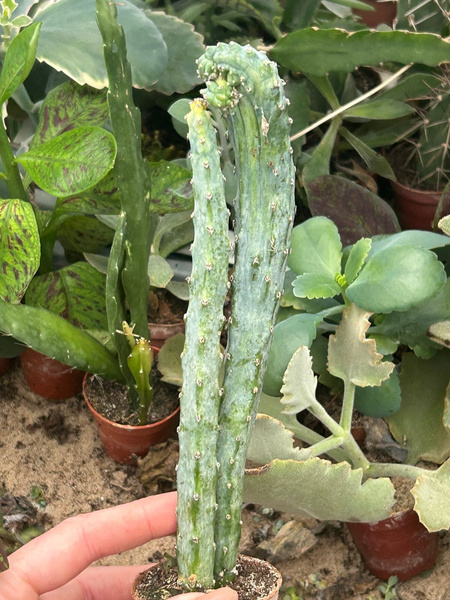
x: 202, y: 358
x: 245, y: 85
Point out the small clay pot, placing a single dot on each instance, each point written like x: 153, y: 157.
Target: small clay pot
x: 399, y: 545
x: 50, y: 378
x: 124, y: 443
x: 385, y: 12
x: 5, y: 365
x: 253, y: 570
x: 416, y: 209
x: 160, y: 332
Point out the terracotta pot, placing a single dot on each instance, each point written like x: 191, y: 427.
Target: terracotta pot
x: 50, y: 378
x: 399, y: 545
x: 143, y: 589
x: 385, y: 12
x: 415, y: 208
x: 123, y: 443
x: 5, y: 365
x: 159, y: 333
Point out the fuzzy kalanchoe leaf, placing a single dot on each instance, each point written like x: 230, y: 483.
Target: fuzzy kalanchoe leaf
x: 246, y: 86
x: 202, y: 359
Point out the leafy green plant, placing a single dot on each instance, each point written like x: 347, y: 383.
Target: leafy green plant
x: 124, y: 190
x: 217, y: 410
x: 383, y: 298
x: 358, y: 121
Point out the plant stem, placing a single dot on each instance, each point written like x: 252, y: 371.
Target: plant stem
x: 393, y: 470
x: 348, y: 402
x: 15, y: 184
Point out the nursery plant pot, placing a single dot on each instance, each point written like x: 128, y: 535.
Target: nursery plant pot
x: 124, y: 443
x: 385, y: 12
x: 5, y: 365
x: 259, y: 579
x: 50, y: 378
x: 399, y: 545
x: 415, y: 208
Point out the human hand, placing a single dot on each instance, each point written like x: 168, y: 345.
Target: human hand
x: 56, y: 565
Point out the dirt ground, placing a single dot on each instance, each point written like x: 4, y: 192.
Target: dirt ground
x: 55, y: 447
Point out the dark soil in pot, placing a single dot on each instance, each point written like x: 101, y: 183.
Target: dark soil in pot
x: 256, y: 580
x: 110, y: 399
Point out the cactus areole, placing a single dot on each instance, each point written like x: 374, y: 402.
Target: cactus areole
x: 221, y: 389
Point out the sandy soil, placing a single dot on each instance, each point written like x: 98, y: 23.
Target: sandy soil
x: 56, y: 447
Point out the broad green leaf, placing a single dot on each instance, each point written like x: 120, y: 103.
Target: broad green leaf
x: 385, y: 345
x: 76, y: 293
x: 351, y: 356
x: 52, y: 335
x: 178, y: 111
x: 72, y: 162
x: 316, y: 285
x: 383, y: 109
x: 319, y: 489
x: 413, y: 237
x: 18, y: 61
x: 270, y: 439
x: 184, y: 46
x: 159, y: 271
x: 171, y: 188
x: 299, y: 383
x: 60, y: 47
x: 356, y: 211
x: 356, y: 258
x: 419, y: 425
x: 166, y: 224
x: 316, y: 248
x: 19, y: 248
x: 288, y: 298
x: 68, y: 106
x: 410, y: 327
x: 169, y: 360
x: 379, y: 401
x: 397, y: 278
x: 81, y: 234
x: 375, y: 161
x: 431, y: 493
x: 320, y: 51
x: 288, y: 336
x: 180, y: 289
x: 178, y: 237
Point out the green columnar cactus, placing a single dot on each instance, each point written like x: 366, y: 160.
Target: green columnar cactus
x: 245, y: 85
x: 202, y: 358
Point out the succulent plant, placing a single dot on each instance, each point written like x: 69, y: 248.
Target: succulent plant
x: 218, y: 409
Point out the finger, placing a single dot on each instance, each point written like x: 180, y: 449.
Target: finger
x: 51, y: 560
x: 224, y: 593
x: 99, y: 583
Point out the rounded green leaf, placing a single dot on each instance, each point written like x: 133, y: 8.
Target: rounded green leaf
x: 81, y: 56
x: 184, y: 46
x: 19, y: 248
x: 397, y: 278
x: 72, y: 162
x: 18, y: 61
x: 288, y: 336
x: 379, y: 401
x: 76, y: 293
x: 316, y: 248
